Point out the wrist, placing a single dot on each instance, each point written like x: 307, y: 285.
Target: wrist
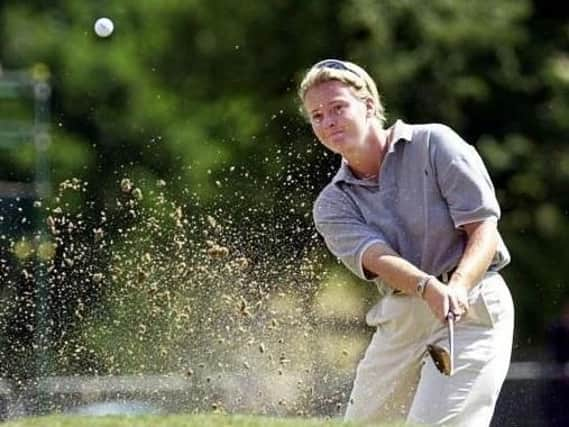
x: 458, y: 276
x: 458, y: 280
x: 422, y: 285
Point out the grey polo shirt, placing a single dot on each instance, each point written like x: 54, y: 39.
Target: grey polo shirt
x: 431, y: 183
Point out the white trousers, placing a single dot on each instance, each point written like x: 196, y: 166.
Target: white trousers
x: 398, y: 381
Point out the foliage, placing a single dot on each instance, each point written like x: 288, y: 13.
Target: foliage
x: 202, y: 95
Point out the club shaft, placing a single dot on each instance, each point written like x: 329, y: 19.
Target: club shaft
x: 450, y: 323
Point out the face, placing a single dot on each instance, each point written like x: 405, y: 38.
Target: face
x: 340, y: 120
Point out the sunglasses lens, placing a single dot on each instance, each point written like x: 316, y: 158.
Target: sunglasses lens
x: 335, y: 64
x: 331, y: 63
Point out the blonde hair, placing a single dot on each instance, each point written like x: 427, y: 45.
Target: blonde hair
x: 353, y: 75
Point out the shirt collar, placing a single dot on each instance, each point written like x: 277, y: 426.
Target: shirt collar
x: 345, y: 174
x: 401, y: 131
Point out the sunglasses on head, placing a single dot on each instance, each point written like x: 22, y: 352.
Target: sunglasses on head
x: 336, y: 64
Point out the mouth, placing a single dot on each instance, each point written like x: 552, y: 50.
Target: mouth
x: 335, y: 135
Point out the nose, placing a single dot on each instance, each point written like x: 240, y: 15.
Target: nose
x: 329, y: 121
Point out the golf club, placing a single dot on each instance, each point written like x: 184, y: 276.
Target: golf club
x: 443, y: 358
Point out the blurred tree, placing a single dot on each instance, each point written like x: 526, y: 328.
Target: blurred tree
x: 203, y: 95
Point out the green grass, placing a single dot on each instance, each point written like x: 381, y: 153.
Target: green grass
x: 174, y: 421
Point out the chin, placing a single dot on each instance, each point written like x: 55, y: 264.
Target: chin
x: 337, y: 148
x: 344, y: 145
x: 339, y: 141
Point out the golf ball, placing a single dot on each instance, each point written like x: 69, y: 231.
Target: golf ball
x: 104, y: 27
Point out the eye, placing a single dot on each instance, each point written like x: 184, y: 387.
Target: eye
x: 316, y: 118
x: 338, y: 109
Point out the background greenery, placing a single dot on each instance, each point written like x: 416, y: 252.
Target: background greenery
x: 195, y: 102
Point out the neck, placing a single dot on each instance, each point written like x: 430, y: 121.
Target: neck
x: 366, y: 162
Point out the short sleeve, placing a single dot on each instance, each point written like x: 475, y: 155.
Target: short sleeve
x: 344, y: 230
x: 463, y: 179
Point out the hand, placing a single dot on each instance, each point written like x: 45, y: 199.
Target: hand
x: 437, y: 296
x: 443, y: 299
x: 458, y: 300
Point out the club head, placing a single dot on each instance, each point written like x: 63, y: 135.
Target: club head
x: 443, y: 358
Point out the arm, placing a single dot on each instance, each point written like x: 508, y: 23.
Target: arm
x: 395, y: 271
x: 401, y: 274
x: 469, y: 193
x: 345, y: 232
x: 482, y: 241
x: 480, y: 250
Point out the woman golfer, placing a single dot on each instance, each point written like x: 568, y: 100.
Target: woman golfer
x: 413, y: 209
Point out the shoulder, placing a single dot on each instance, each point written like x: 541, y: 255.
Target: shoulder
x: 332, y: 201
x: 443, y: 141
x: 436, y: 141
x: 437, y: 133
x: 330, y: 196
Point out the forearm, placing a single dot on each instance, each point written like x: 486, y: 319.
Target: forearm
x: 400, y: 274
x: 395, y: 271
x: 480, y: 250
